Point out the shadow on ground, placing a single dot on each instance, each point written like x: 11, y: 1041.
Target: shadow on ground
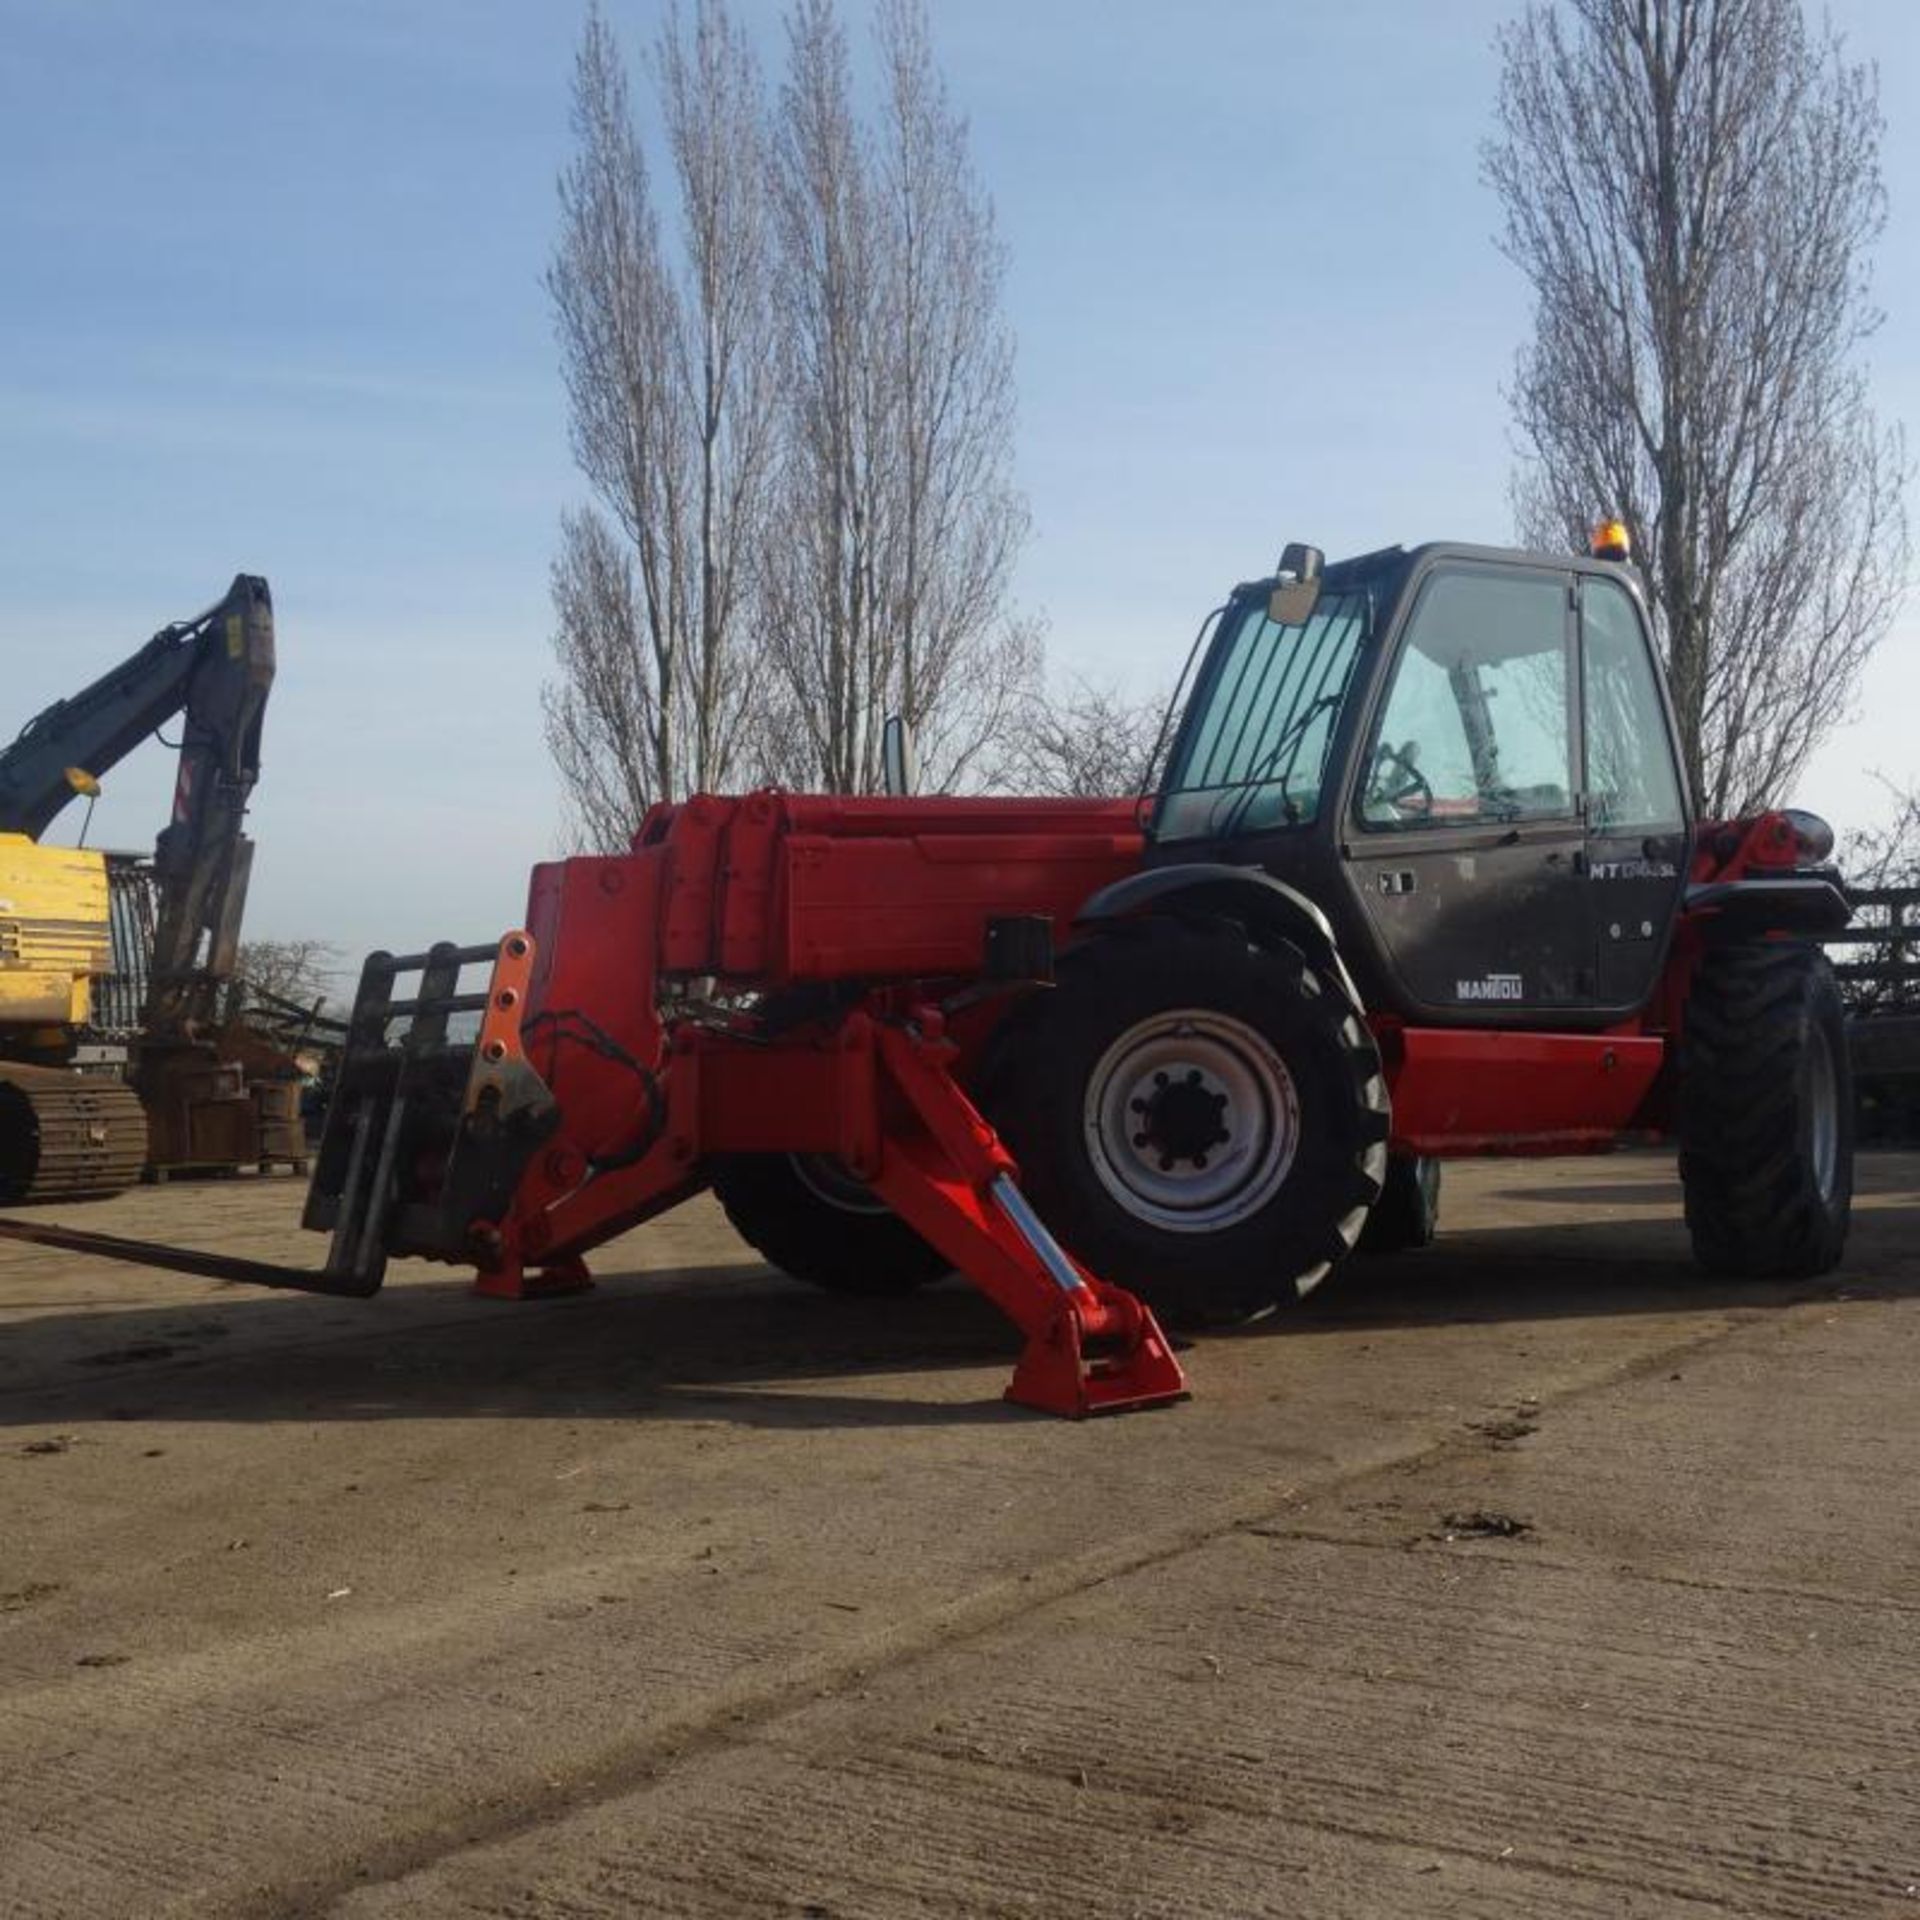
x: 737, y: 1342
x: 1595, y: 1193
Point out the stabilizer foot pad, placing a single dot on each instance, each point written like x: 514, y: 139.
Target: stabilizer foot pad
x: 1054, y: 1376
x: 550, y: 1283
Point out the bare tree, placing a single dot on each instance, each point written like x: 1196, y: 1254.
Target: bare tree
x: 823, y: 572
x: 796, y: 416
x: 665, y: 349
x: 603, y: 720
x: 899, y: 523
x: 1692, y: 188
x: 296, y: 970
x: 1086, y: 741
x: 958, y: 522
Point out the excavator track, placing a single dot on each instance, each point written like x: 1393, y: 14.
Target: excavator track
x: 67, y: 1135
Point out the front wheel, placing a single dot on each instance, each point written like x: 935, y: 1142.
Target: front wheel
x: 807, y: 1215
x: 1766, y: 1112
x: 1200, y: 1118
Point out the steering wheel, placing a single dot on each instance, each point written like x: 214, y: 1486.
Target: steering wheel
x: 1396, y: 781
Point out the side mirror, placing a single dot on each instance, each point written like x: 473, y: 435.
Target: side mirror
x: 1296, y: 586
x: 898, y: 774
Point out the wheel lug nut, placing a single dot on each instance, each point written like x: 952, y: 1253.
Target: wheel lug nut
x: 1199, y: 1159
x: 1193, y: 1076
x: 1159, y: 1079
x: 1139, y: 1139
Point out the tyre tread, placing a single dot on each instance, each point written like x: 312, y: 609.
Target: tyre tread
x: 1753, y: 1206
x: 1241, y: 1275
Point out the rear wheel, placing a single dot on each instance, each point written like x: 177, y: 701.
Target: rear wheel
x: 1407, y: 1214
x: 1766, y: 1112
x: 1200, y: 1118
x: 807, y: 1215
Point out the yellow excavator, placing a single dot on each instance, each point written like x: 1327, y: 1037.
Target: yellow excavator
x: 65, y: 1132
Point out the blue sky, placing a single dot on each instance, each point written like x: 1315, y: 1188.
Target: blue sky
x: 270, y: 299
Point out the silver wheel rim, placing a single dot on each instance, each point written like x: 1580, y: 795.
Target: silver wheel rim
x: 1823, y: 1115
x: 827, y: 1179
x: 1192, y: 1120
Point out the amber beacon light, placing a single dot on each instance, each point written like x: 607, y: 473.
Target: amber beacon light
x: 1610, y: 541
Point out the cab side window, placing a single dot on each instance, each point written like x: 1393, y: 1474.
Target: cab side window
x: 1477, y: 727
x: 1632, y: 784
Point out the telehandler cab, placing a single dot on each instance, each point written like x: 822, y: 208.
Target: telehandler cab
x: 1420, y: 878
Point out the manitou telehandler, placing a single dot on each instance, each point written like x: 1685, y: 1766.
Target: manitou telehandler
x: 1420, y: 878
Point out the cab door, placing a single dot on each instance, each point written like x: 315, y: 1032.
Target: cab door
x: 1637, y: 832
x: 1466, y: 849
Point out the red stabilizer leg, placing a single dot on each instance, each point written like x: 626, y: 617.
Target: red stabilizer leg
x: 953, y: 1182
x: 1055, y: 1376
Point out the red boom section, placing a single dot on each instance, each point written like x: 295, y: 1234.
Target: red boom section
x: 796, y: 887
x: 772, y: 891
x: 884, y: 905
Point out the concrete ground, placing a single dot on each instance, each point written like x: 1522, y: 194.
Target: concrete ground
x: 1529, y: 1575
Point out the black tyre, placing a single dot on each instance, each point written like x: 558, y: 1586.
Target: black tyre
x: 1766, y: 1112
x: 807, y: 1215
x: 1199, y: 1117
x: 1407, y: 1214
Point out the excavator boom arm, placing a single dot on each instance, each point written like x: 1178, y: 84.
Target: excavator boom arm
x: 201, y: 858
x: 96, y: 728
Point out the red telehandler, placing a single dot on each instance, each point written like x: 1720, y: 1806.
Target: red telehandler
x: 1421, y: 878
